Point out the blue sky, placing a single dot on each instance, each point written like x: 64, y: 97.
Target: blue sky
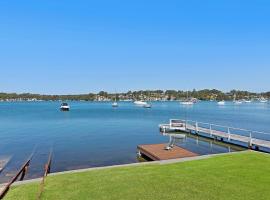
x: 58, y: 47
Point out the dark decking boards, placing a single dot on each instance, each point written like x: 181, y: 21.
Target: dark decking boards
x: 157, y: 152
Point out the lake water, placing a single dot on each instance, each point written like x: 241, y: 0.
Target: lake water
x: 95, y: 134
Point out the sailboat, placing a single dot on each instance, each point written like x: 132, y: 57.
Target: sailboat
x: 263, y: 100
x: 140, y: 103
x: 248, y: 100
x: 221, y: 103
x: 115, y: 104
x: 187, y: 101
x: 147, y: 105
x: 236, y: 101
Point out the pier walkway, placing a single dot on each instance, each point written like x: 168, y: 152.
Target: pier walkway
x: 243, y: 137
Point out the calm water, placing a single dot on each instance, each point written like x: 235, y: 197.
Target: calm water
x: 95, y: 134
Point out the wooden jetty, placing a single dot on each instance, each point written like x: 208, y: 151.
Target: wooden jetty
x: 158, y: 152
x: 227, y: 134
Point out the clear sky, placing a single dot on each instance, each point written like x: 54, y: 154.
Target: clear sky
x: 64, y: 46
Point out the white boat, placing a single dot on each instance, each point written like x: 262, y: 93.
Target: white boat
x: 115, y: 104
x: 221, y: 103
x: 188, y: 101
x: 263, y: 100
x: 236, y: 101
x: 64, y: 107
x: 140, y: 103
x: 247, y: 101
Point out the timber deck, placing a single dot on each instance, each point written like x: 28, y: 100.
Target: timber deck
x: 157, y: 152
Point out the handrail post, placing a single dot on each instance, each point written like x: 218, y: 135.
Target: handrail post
x: 197, y: 127
x: 250, y: 139
x: 210, y: 129
x: 229, y: 134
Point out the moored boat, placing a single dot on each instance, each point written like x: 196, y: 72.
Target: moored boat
x: 221, y: 103
x: 189, y: 101
x: 140, y: 103
x: 64, y: 107
x: 115, y: 104
x: 236, y: 101
x: 263, y: 100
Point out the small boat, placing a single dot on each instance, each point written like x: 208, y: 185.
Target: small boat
x: 64, y: 107
x: 140, y: 103
x: 114, y: 104
x: 188, y: 101
x: 263, y: 100
x: 147, y: 105
x: 236, y: 101
x: 221, y: 103
x: 247, y: 101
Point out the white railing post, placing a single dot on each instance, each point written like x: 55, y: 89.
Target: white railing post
x: 229, y: 134
x: 197, y: 127
x: 211, y: 130
x: 250, y: 139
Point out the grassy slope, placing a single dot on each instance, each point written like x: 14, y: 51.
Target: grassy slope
x: 236, y: 176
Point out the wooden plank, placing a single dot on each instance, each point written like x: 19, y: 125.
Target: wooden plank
x: 158, y: 152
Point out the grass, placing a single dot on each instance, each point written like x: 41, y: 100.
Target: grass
x: 234, y: 176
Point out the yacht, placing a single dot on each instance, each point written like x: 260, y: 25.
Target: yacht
x: 247, y: 101
x: 236, y: 101
x: 221, y: 102
x: 115, y: 104
x: 140, y: 103
x: 263, y: 100
x: 64, y: 107
x: 188, y: 101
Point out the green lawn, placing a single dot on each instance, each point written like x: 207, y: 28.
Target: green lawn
x: 243, y: 175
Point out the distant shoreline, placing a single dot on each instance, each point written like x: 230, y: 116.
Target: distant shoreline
x: 147, y: 95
